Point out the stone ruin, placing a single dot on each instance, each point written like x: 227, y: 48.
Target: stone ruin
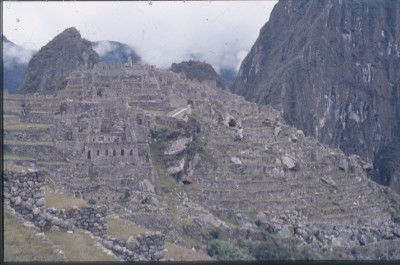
x: 97, y: 146
x: 24, y: 193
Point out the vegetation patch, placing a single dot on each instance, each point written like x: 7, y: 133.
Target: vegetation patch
x: 183, y: 254
x: 269, y: 249
x: 123, y: 229
x: 15, y: 168
x: 166, y: 180
x: 62, y: 201
x: 225, y: 250
x: 30, y: 143
x: 21, y: 245
x: 78, y: 246
x: 394, y: 205
x: 8, y: 156
x: 24, y: 126
x: 52, y: 162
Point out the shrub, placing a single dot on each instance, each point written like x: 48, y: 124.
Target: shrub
x: 232, y: 122
x: 215, y: 233
x: 92, y: 201
x: 223, y: 250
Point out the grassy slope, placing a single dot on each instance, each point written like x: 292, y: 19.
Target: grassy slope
x: 183, y: 254
x: 123, y: 229
x: 15, y: 168
x: 24, y: 126
x: 78, y: 246
x: 62, y: 201
x: 20, y: 245
x: 16, y: 142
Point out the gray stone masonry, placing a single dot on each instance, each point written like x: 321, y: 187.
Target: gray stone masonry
x: 24, y: 192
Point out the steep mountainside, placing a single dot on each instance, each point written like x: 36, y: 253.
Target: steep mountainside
x: 331, y: 68
x: 51, y: 65
x: 15, y: 60
x: 198, y: 70
x: 199, y: 164
x: 114, y: 52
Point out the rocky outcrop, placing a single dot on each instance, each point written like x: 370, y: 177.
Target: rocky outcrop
x: 331, y: 69
x: 198, y: 70
x: 49, y: 67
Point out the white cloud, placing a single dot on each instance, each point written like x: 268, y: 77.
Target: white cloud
x: 13, y: 53
x: 218, y: 32
x: 103, y: 47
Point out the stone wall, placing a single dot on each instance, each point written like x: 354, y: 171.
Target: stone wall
x: 40, y: 152
x: 137, y: 248
x: 29, y: 134
x: 24, y: 192
x: 39, y: 117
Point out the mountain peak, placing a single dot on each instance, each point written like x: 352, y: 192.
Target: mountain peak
x: 71, y: 32
x: 56, y: 60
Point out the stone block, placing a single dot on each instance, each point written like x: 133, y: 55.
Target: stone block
x: 132, y: 243
x: 16, y: 200
x: 40, y: 202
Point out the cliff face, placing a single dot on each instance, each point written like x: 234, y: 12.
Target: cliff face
x: 331, y: 68
x: 55, y: 61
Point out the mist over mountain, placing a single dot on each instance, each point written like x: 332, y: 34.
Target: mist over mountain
x: 228, y: 75
x: 114, y: 52
x: 331, y: 69
x: 15, y: 61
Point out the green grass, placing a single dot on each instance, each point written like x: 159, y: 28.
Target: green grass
x: 183, y: 254
x: 78, y: 246
x: 21, y: 245
x: 228, y: 250
x: 23, y: 126
x: 62, y: 201
x: 15, y: 168
x: 30, y: 143
x: 52, y: 162
x: 165, y: 179
x: 123, y: 229
x: 9, y: 156
x: 394, y: 205
x: 193, y: 187
x: 10, y: 116
x: 183, y: 220
x: 17, y: 109
x: 232, y: 221
x: 43, y: 111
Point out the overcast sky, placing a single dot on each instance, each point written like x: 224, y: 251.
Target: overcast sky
x: 218, y: 32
